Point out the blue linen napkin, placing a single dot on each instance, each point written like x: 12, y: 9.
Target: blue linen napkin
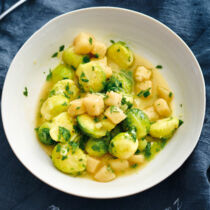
x: 188, y: 188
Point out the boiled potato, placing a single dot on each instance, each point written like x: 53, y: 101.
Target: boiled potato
x: 83, y: 43
x: 94, y: 104
x: 139, y: 159
x: 92, y: 164
x: 165, y: 93
x: 105, y: 174
x: 141, y: 74
x: 115, y: 114
x: 76, y: 107
x: 119, y: 165
x: 162, y: 108
x: 113, y: 99
x: 99, y: 49
x: 144, y: 88
x: 151, y: 113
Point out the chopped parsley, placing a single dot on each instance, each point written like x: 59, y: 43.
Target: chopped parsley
x: 180, y: 122
x: 170, y: 94
x: 63, y: 132
x: 96, y: 55
x: 134, y: 165
x: 147, y: 151
x: 49, y: 76
x: 64, y: 157
x: 78, y: 108
x: 74, y: 68
x: 68, y: 90
x: 125, y: 102
x: 85, y: 80
x: 144, y: 93
x: 61, y: 48
x: 93, y: 68
x: 180, y: 105
x: 86, y: 59
x: 91, y: 40
x: 58, y: 148
x: 55, y: 55
x: 25, y: 92
x: 159, y: 67
x: 74, y: 146
x: 118, y: 50
x: 67, y: 96
x: 113, y: 109
x: 64, y: 104
x: 109, y: 169
x: 112, y: 41
x: 52, y: 92
x: 137, y: 152
x: 96, y: 119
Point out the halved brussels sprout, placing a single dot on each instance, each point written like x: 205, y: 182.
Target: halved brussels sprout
x: 66, y: 88
x: 62, y: 128
x: 44, y: 134
x: 62, y: 72
x: 71, y: 58
x: 69, y: 158
x: 54, y: 106
x: 92, y: 128
x: 96, y: 147
x: 91, y: 76
x: 164, y: 128
x: 139, y: 120
x: 120, y: 54
x: 120, y: 82
x: 123, y: 145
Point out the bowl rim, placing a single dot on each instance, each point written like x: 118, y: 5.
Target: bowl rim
x: 132, y: 12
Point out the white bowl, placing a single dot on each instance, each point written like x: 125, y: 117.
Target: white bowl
x: 146, y: 36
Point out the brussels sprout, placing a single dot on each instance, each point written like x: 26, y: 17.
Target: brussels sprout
x: 120, y: 54
x: 71, y: 58
x: 69, y: 158
x: 54, y: 106
x: 66, y: 88
x: 62, y: 128
x: 120, y: 82
x: 92, y: 128
x: 123, y: 145
x: 44, y: 134
x: 62, y: 72
x: 91, y: 76
x: 164, y: 128
x: 139, y: 120
x: 96, y: 147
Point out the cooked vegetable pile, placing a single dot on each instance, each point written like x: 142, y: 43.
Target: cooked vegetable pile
x: 90, y: 114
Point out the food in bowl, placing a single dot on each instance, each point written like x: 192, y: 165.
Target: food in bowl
x: 104, y: 111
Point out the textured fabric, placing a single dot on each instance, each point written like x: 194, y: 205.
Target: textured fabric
x: 188, y: 188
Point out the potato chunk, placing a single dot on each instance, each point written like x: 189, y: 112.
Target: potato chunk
x: 83, y: 43
x: 113, y: 99
x: 164, y: 93
x: 119, y: 165
x: 105, y: 174
x: 99, y: 49
x: 115, y: 114
x: 162, y: 107
x: 92, y: 164
x: 142, y: 87
x: 94, y: 104
x: 137, y: 159
x: 141, y: 74
x: 151, y: 113
x: 76, y: 107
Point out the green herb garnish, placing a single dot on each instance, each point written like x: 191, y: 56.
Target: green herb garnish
x: 96, y: 55
x: 49, y: 76
x: 25, y: 92
x: 63, y: 132
x: 61, y: 48
x: 91, y: 40
x: 159, y: 67
x: 86, y: 59
x: 112, y: 41
x: 170, y: 94
x: 55, y: 55
x: 147, y: 151
x: 144, y: 93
